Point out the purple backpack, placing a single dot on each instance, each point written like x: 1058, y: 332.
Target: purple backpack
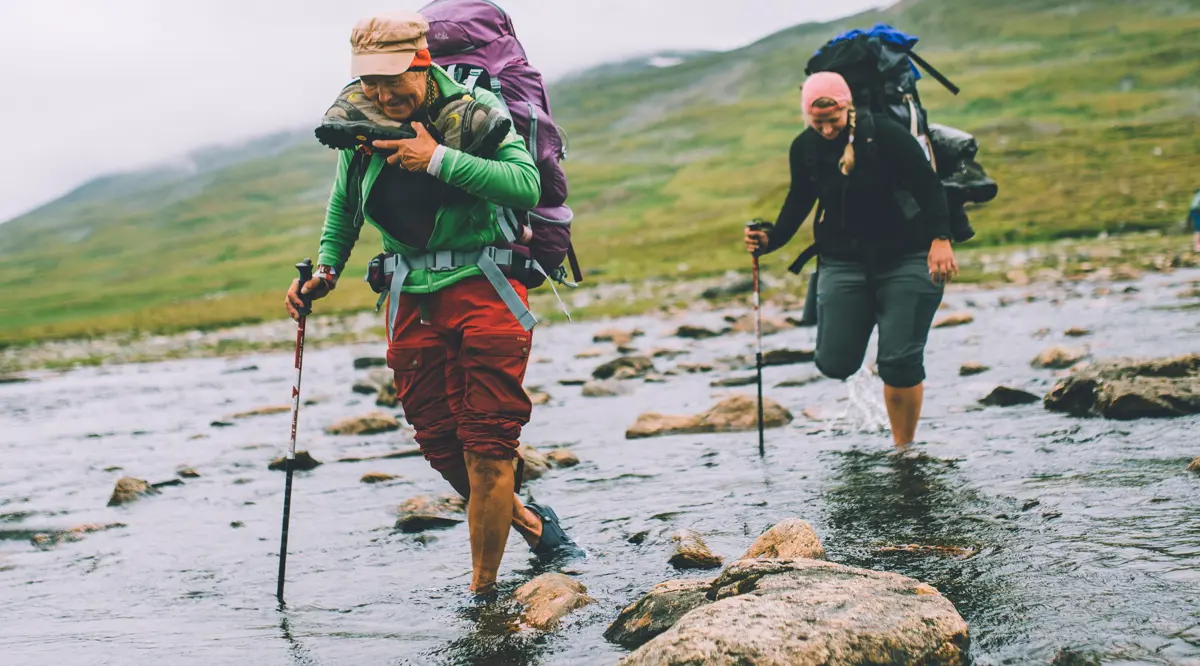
x: 474, y: 40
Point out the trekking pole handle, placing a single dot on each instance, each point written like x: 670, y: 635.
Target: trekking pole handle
x: 758, y: 225
x: 306, y: 273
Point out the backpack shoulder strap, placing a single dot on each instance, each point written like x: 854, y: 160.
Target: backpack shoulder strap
x: 865, y: 149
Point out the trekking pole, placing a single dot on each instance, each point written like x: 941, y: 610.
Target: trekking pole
x: 306, y: 272
x: 758, y: 356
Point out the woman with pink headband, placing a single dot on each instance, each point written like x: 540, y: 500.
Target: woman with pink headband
x: 882, y: 233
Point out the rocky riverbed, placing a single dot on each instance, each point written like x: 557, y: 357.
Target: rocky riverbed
x: 139, y: 519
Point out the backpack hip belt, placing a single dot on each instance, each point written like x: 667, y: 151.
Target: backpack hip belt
x: 387, y: 273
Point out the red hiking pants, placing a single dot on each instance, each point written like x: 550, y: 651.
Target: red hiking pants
x: 460, y: 376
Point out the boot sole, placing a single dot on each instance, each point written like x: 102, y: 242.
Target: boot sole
x: 347, y: 136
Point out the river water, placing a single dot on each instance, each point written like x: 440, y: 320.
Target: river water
x: 1081, y: 536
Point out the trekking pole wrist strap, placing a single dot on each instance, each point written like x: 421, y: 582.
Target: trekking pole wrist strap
x: 328, y: 275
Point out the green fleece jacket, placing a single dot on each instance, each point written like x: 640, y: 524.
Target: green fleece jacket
x: 509, y: 179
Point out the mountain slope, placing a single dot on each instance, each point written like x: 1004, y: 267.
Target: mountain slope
x: 1087, y: 114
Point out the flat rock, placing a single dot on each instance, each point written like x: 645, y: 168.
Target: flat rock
x: 129, y: 489
x: 187, y: 473
x: 46, y: 540
x: 304, y: 462
x: 549, y: 598
x: 573, y: 382
x: 617, y: 336
x: 736, y: 413
x: 954, y: 319
x: 811, y: 613
x: 657, y: 612
x: 263, y: 411
x: 393, y: 455
x: 800, y: 381
x: 694, y: 368
x: 536, y: 462
x: 376, y: 380
x: 377, y: 477
x: 699, y: 332
x: 972, y: 368
x: 370, y: 362
x: 387, y: 397
x: 608, y: 388
x: 793, y: 538
x: 659, y: 352
x: 538, y: 396
x: 731, y: 382
x: 1126, y: 389
x: 626, y: 367
x: 691, y: 552
x: 1059, y: 358
x: 426, y: 512
x: 770, y: 325
x: 594, y: 352
x: 367, y: 424
x: 1004, y: 396
x: 13, y: 379
x: 777, y: 357
x: 562, y: 458
x: 1077, y: 332
x: 732, y: 287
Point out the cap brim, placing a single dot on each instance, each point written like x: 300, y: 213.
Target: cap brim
x: 380, y: 64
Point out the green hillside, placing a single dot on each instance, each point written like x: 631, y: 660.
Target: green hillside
x: 1087, y: 114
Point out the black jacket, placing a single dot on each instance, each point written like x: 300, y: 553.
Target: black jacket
x: 866, y: 211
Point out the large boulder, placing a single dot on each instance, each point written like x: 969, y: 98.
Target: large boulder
x: 425, y: 512
x: 790, y: 539
x: 658, y: 611
x: 1195, y: 466
x: 549, y: 598
x: 733, y: 414
x: 1125, y: 389
x: 807, y: 612
x: 129, y: 489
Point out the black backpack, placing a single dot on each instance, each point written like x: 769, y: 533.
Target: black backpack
x: 880, y: 67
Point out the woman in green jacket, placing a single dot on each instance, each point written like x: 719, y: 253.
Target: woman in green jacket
x: 458, y: 323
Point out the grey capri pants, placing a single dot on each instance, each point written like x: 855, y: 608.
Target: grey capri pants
x: 852, y: 297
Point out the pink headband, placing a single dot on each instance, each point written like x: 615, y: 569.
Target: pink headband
x: 825, y: 84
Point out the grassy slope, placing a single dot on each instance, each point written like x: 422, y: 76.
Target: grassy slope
x: 1087, y: 113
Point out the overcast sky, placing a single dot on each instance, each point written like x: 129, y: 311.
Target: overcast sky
x: 96, y: 86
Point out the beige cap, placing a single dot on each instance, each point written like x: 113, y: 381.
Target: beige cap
x: 385, y: 45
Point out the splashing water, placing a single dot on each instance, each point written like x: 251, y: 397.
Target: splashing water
x: 865, y: 412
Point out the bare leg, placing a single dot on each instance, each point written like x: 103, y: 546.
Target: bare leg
x: 1198, y: 241
x: 904, y: 410
x: 489, y: 517
x: 526, y: 522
